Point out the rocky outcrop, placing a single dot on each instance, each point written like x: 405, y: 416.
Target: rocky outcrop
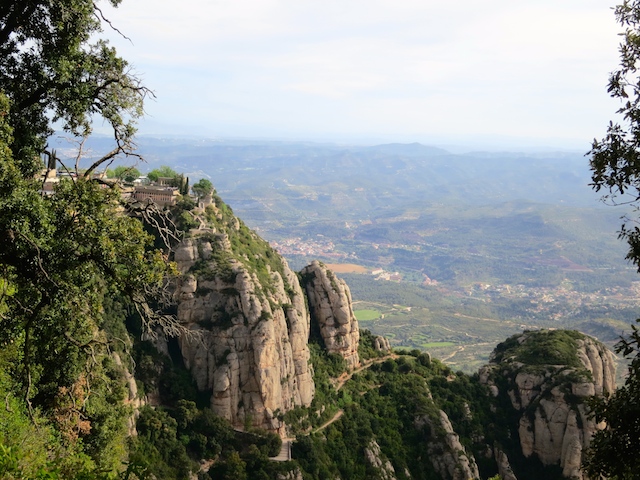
x: 504, y: 467
x: 373, y: 456
x: 133, y: 399
x: 248, y: 330
x: 331, y: 309
x: 381, y: 344
x: 291, y: 475
x: 550, y: 398
x: 448, y: 457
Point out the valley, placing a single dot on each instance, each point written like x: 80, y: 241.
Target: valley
x: 453, y: 252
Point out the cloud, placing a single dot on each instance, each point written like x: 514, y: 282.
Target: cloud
x: 518, y: 67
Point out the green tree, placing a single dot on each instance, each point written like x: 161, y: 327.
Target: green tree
x: 62, y: 254
x: 53, y: 70
x: 122, y: 172
x: 202, y: 188
x: 163, y: 171
x: 615, y: 165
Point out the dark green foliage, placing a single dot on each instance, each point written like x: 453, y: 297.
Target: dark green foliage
x: 122, y: 172
x: 53, y: 66
x: 615, y: 169
x: 327, y: 367
x: 543, y: 347
x: 384, y: 404
x: 366, y: 350
x: 202, y: 188
x: 63, y: 254
x: 613, y: 451
x: 164, y: 171
x: 247, y: 247
x: 186, y: 203
x: 170, y: 442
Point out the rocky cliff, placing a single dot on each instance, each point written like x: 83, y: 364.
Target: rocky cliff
x: 331, y: 310
x: 248, y: 320
x: 545, y: 378
x: 449, y: 458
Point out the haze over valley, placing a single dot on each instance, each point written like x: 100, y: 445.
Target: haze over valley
x: 445, y: 252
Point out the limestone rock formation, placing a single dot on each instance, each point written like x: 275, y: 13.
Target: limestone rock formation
x: 330, y: 307
x: 381, y: 343
x: 504, y: 467
x: 548, y: 392
x: 248, y: 327
x: 374, y: 457
x: 448, y: 457
x: 291, y: 475
x: 133, y: 399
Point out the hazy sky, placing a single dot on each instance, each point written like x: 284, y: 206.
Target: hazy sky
x: 528, y: 71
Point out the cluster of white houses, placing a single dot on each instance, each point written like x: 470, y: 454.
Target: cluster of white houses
x: 161, y: 192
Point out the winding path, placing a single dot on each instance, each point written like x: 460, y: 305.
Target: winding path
x: 285, y: 450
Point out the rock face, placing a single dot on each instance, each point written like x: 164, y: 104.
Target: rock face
x: 330, y: 307
x: 373, y: 456
x: 549, y: 398
x: 504, y: 468
x: 133, y: 400
x: 448, y: 457
x: 381, y: 344
x: 248, y: 325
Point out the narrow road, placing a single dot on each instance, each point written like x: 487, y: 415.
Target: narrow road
x: 338, y: 414
x: 285, y: 450
x: 345, y: 377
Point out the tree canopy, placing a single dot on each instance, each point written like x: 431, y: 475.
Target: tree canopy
x: 202, y: 188
x: 122, y: 172
x: 52, y: 71
x: 65, y: 256
x: 164, y: 171
x: 615, y: 165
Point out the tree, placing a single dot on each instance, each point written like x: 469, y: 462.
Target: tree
x: 51, y: 71
x: 62, y: 254
x: 615, y: 165
x: 122, y: 172
x: 614, y: 451
x: 202, y: 188
x: 164, y: 171
x: 615, y: 160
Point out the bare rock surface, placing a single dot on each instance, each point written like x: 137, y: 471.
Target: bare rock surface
x: 554, y: 424
x: 504, y: 467
x: 248, y: 341
x: 374, y: 457
x: 448, y: 457
x: 382, y: 344
x: 331, y: 308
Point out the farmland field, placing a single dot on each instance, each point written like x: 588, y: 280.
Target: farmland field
x: 347, y: 268
x: 366, y: 315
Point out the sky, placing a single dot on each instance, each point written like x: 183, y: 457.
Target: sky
x: 492, y: 72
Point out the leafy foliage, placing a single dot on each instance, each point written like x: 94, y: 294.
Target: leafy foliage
x: 164, y: 171
x: 52, y: 69
x: 614, y: 159
x: 63, y: 254
x: 544, y: 347
x: 385, y: 403
x: 122, y: 172
x: 202, y: 188
x: 615, y: 168
x: 613, y: 451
